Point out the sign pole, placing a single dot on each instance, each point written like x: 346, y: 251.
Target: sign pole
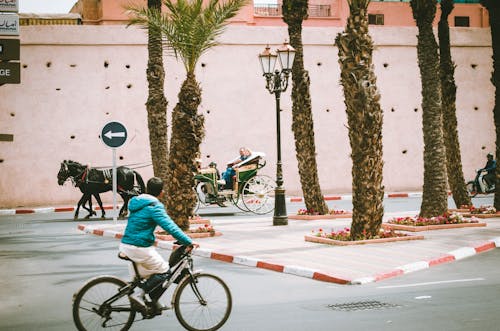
x: 114, y: 134
x: 115, y: 212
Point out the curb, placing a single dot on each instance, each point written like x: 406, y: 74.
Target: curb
x: 290, y: 199
x: 242, y: 260
x: 454, y: 255
x: 46, y: 210
x: 349, y: 196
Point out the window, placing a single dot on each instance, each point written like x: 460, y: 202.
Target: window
x: 462, y: 21
x: 376, y: 19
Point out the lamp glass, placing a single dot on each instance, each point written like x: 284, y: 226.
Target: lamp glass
x: 267, y: 61
x: 286, y: 54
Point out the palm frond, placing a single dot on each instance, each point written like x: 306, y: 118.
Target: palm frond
x: 189, y: 28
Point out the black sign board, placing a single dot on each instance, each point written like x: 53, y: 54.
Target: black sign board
x: 9, y: 49
x: 10, y: 73
x: 114, y: 134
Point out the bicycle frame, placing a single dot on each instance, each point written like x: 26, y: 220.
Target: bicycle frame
x: 95, y: 306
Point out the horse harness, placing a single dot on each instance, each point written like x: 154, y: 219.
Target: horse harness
x: 83, y: 178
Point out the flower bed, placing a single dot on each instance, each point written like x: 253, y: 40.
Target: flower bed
x: 342, y: 237
x: 307, y: 215
x: 198, y: 220
x: 446, y: 221
x: 200, y: 232
x: 483, y: 211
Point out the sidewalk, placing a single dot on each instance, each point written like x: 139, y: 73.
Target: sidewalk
x: 257, y: 243
x: 44, y: 210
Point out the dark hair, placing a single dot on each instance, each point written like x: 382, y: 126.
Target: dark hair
x: 154, y: 186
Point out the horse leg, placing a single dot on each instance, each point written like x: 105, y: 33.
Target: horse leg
x: 124, y: 209
x: 98, y: 198
x: 89, y: 208
x: 80, y: 202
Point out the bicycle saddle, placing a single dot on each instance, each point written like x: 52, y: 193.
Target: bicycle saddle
x: 122, y: 256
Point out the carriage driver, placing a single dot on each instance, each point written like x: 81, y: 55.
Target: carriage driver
x: 146, y: 213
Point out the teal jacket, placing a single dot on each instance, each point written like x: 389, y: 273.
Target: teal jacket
x: 146, y: 212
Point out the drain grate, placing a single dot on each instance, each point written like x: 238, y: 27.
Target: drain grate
x: 361, y: 305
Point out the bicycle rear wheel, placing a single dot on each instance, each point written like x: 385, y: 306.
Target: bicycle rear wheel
x: 91, y: 312
x: 202, y: 305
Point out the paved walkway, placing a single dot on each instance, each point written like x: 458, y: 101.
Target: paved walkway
x: 44, y: 210
x: 257, y: 243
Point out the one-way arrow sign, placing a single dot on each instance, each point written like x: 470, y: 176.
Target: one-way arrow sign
x: 114, y: 134
x: 110, y: 134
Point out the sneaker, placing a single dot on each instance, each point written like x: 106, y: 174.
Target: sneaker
x: 160, y: 306
x: 138, y: 298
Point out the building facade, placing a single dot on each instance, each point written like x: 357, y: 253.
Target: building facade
x: 77, y: 78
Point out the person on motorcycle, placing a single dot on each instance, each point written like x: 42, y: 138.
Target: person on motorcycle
x: 490, y: 167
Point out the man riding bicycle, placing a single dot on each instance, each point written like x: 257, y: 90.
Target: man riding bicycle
x: 146, y: 213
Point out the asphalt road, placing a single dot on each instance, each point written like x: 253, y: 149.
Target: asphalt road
x: 45, y: 260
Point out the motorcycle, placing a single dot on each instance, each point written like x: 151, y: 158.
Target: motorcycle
x: 479, y: 185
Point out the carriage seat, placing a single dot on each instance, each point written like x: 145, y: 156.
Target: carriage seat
x: 208, y: 170
x: 246, y: 167
x: 252, y: 160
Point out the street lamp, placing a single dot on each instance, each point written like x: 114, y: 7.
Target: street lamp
x: 277, y: 82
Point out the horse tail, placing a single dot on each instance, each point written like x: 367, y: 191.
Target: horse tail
x: 140, y: 181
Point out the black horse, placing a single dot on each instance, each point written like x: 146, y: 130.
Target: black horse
x: 93, y: 181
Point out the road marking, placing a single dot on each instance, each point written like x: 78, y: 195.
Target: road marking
x: 434, y: 283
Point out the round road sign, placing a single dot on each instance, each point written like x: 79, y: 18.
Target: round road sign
x: 114, y: 134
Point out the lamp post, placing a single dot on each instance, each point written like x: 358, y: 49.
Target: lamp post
x: 277, y: 82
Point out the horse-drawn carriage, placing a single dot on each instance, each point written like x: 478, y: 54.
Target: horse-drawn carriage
x: 249, y: 192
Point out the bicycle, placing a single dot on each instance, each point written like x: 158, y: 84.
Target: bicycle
x: 201, y: 301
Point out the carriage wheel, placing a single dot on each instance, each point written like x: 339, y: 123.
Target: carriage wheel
x: 235, y: 200
x: 258, y: 194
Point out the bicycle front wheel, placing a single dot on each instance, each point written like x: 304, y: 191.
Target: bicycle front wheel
x: 202, y: 303
x: 93, y: 308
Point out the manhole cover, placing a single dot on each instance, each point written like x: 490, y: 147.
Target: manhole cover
x: 361, y: 305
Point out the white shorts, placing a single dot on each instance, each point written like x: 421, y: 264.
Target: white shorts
x: 148, y: 260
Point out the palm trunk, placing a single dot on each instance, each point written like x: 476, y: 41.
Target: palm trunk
x: 434, y: 197
x: 187, y: 135
x: 294, y: 12
x: 156, y: 104
x: 493, y: 7
x: 365, y: 118
x: 455, y: 173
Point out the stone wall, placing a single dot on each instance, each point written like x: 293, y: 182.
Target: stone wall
x: 75, y: 79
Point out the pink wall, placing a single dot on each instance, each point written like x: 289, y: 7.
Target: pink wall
x: 67, y: 94
x: 396, y: 13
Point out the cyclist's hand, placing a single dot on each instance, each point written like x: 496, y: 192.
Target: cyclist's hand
x: 192, y: 246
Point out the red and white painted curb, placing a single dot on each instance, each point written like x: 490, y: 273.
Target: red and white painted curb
x: 46, y: 210
x: 455, y: 255
x: 349, y: 197
x: 112, y: 232
x: 458, y: 254
x: 290, y: 199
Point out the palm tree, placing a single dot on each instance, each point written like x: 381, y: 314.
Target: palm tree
x: 456, y: 179
x: 364, y: 116
x: 156, y: 104
x: 493, y: 7
x: 189, y: 29
x: 434, y: 198
x: 294, y: 12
